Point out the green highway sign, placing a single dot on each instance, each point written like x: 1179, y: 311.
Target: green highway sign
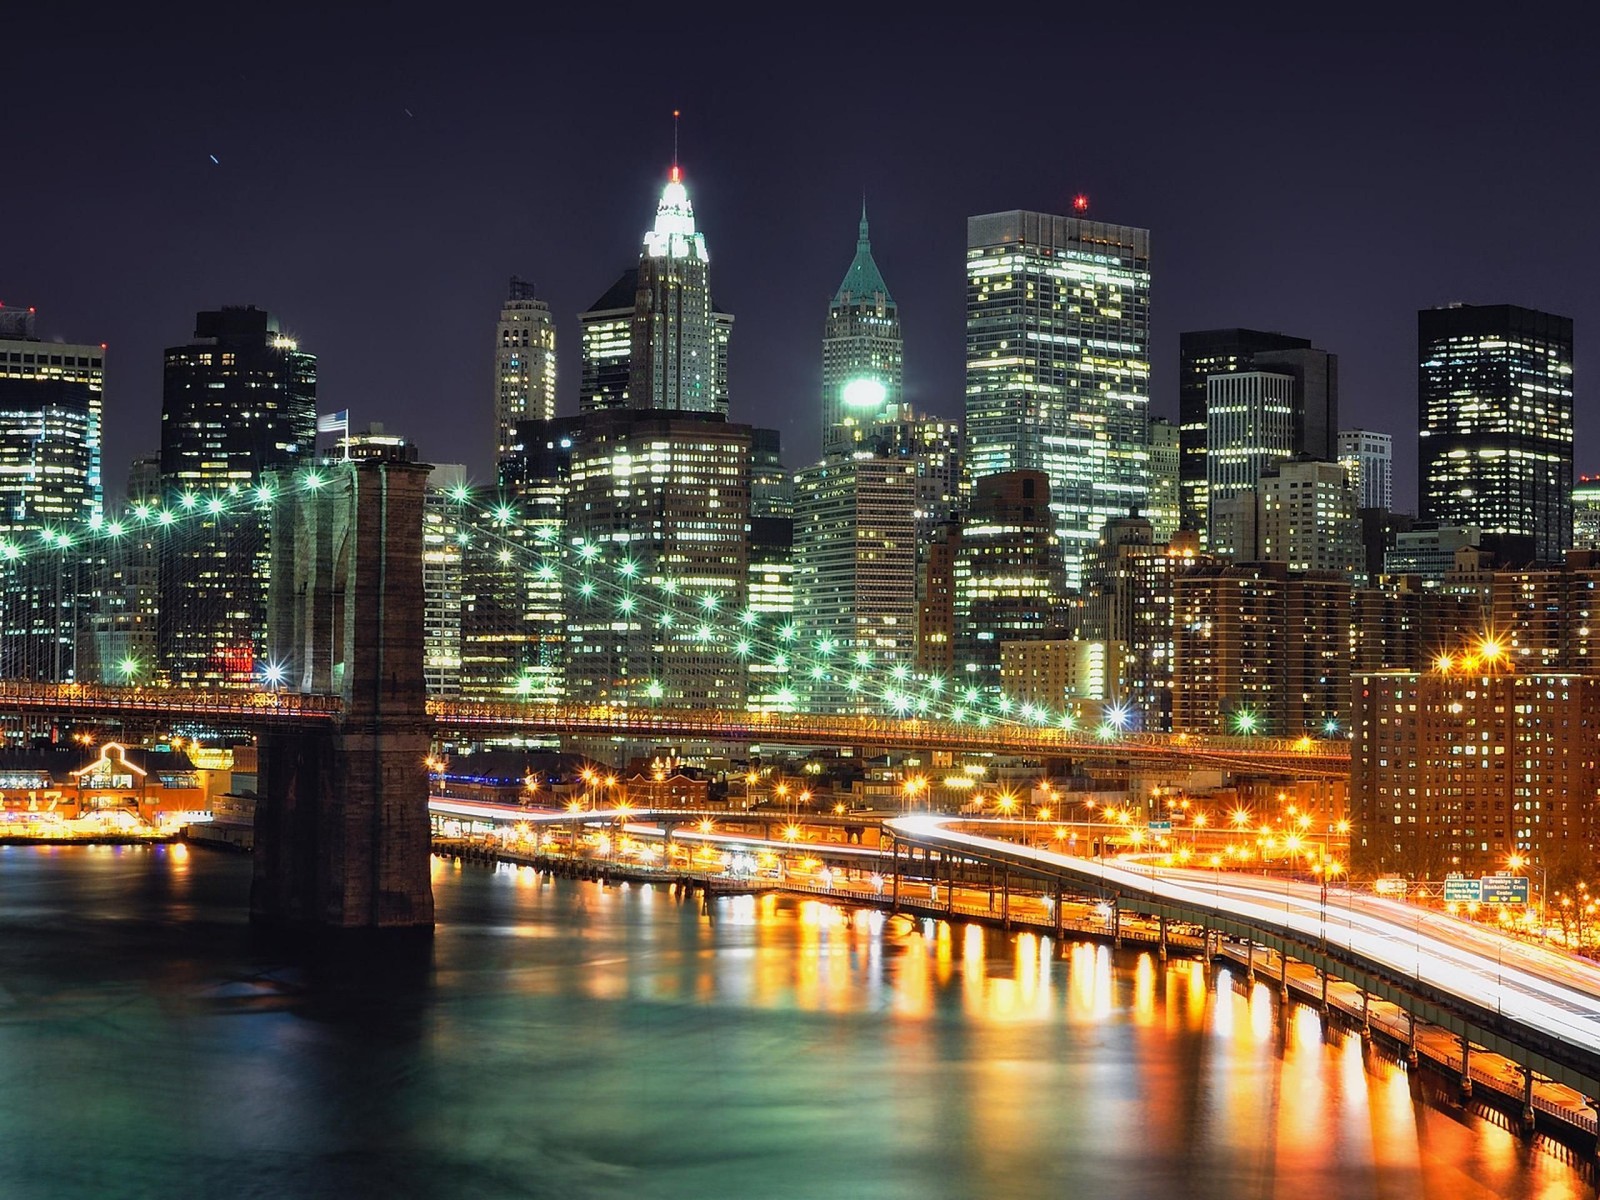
x: 1463, y: 891
x: 1505, y: 889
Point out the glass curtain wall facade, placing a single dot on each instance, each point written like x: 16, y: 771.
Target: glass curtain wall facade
x: 1058, y: 364
x: 239, y: 399
x: 50, y: 444
x: 1202, y: 353
x: 1494, y: 390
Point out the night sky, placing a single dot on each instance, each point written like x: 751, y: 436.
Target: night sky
x: 379, y: 178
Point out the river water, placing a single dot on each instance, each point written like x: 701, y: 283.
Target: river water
x: 564, y: 1039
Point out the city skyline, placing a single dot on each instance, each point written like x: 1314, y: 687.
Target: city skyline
x: 241, y: 230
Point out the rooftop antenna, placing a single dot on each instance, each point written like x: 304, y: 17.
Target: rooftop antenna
x: 675, y: 173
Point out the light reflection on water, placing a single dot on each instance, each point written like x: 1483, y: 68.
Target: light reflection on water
x: 567, y: 1039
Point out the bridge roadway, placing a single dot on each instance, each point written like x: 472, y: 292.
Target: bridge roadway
x: 1302, y: 757
x: 1534, y: 1006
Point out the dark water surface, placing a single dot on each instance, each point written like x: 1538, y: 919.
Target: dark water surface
x: 567, y: 1040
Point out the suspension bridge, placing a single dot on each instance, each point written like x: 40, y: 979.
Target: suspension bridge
x: 333, y: 658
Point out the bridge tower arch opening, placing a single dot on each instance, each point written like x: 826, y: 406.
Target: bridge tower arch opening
x: 341, y: 834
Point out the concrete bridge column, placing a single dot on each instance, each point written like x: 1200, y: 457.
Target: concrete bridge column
x: 342, y: 837
x: 1163, y: 939
x: 1528, y: 1118
x: 1466, y: 1066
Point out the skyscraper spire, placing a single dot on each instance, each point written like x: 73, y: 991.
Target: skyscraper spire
x: 863, y: 280
x: 861, y: 349
x: 675, y: 172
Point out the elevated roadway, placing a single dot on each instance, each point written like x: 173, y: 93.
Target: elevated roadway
x: 1537, y: 1007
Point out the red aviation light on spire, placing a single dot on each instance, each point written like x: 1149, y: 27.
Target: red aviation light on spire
x: 1080, y: 203
x: 677, y: 175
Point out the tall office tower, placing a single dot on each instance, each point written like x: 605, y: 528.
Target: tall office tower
x: 1586, y: 513
x: 50, y: 411
x: 445, y: 526
x: 514, y: 608
x: 771, y: 597
x: 1494, y: 392
x: 1008, y: 581
x: 524, y: 363
x: 121, y: 626
x: 239, y: 399
x: 1260, y: 649
x: 1058, y: 364
x: 1127, y: 601
x: 1165, y: 506
x: 1316, y: 397
x: 1414, y: 810
x: 771, y: 484
x: 1202, y: 353
x: 932, y: 445
x: 607, y: 344
x: 1249, y: 428
x: 1306, y: 517
x: 666, y: 494
x: 862, y: 351
x: 1368, y: 459
x: 856, y: 574
x: 678, y: 350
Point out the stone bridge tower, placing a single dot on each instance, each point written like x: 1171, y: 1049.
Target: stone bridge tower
x: 341, y: 836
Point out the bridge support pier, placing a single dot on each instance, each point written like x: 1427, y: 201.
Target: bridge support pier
x: 1116, y: 923
x: 1528, y: 1119
x: 1411, y: 1038
x: 342, y: 827
x: 950, y: 885
x: 1283, y: 974
x: 1366, y: 1015
x: 1005, y: 899
x: 1323, y: 1008
x: 1163, y: 940
x: 1466, y: 1066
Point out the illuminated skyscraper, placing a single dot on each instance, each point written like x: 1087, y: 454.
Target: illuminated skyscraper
x: 1494, y: 393
x: 1202, y: 353
x: 444, y: 530
x: 678, y: 350
x: 524, y: 363
x: 1058, y: 364
x: 1008, y: 585
x: 661, y: 499
x: 1249, y: 429
x: 856, y: 575
x: 239, y: 399
x: 1165, y: 507
x: 50, y: 410
x: 608, y: 346
x: 1368, y: 459
x: 862, y: 351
